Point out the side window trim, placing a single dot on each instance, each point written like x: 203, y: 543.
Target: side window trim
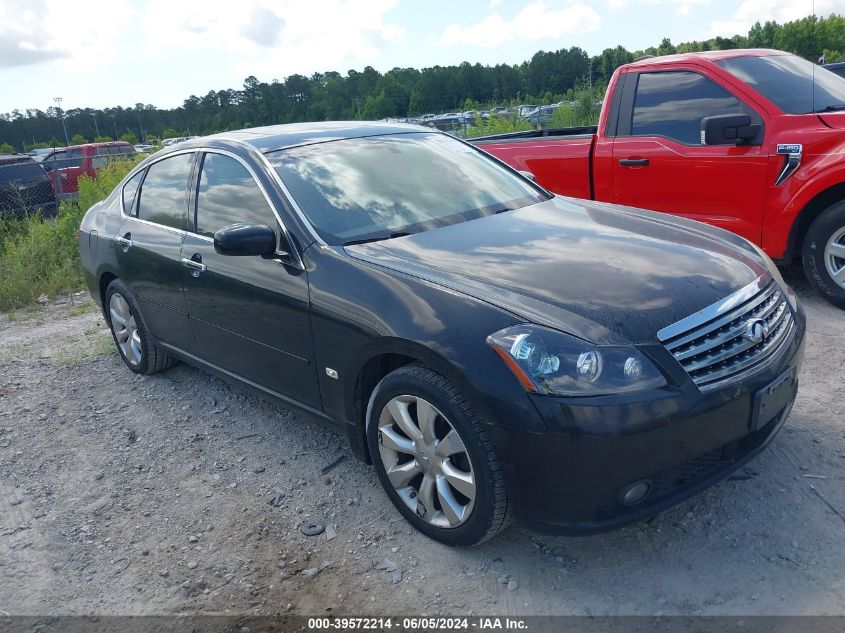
x: 626, y: 114
x: 294, y: 256
x: 132, y: 207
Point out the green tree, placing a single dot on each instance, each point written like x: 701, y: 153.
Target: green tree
x: 129, y: 137
x: 5, y: 148
x: 103, y: 139
x: 77, y: 139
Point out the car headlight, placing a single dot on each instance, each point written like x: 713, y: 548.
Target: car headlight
x: 551, y: 362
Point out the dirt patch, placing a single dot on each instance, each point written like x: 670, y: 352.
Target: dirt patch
x: 178, y: 493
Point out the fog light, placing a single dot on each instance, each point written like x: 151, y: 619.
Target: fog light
x: 635, y: 492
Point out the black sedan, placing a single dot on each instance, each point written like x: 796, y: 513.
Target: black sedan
x: 493, y: 350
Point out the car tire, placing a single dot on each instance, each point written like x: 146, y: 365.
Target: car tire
x: 823, y: 254
x: 131, y: 337
x: 439, y: 468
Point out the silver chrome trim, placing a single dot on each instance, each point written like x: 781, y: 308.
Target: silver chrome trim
x: 793, y: 153
x: 714, y: 310
x: 156, y: 225
x: 715, y: 347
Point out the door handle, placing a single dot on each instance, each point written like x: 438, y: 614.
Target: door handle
x: 196, y: 267
x: 634, y: 162
x: 125, y: 242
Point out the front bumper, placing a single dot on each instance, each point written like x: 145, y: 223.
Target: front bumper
x: 571, y: 478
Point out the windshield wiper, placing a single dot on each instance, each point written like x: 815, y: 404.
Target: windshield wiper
x: 833, y: 108
x: 377, y: 238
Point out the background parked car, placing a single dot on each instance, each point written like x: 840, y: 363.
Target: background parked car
x: 838, y: 68
x: 41, y: 154
x: 74, y: 161
x: 25, y: 188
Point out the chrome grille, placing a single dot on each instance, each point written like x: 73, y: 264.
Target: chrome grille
x: 713, y: 345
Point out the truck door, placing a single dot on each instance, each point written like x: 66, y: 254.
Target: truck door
x: 660, y: 163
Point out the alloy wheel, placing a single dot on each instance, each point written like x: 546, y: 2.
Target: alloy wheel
x: 125, y: 329
x: 426, y: 461
x: 834, y: 257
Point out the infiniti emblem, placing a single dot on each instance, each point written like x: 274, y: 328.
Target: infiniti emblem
x: 756, y: 330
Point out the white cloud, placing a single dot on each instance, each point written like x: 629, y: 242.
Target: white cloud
x: 33, y: 31
x: 495, y: 3
x: 276, y: 38
x: 682, y: 7
x: 535, y: 22
x: 750, y: 11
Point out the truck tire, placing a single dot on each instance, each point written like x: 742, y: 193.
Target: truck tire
x: 823, y: 254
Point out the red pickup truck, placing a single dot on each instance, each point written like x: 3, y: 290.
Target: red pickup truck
x: 752, y: 141
x: 69, y: 163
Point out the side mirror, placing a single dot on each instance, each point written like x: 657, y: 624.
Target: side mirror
x: 246, y: 239
x: 728, y: 129
x: 528, y: 174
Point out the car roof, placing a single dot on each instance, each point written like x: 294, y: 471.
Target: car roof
x: 16, y: 158
x: 98, y: 144
x: 708, y: 56
x: 273, y: 138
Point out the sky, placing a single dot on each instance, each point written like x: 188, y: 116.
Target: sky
x: 101, y: 53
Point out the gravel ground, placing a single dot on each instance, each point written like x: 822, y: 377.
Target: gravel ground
x: 179, y: 493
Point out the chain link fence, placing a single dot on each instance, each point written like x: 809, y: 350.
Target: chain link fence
x: 36, y: 184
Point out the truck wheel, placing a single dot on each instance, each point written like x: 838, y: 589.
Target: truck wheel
x: 133, y: 341
x: 824, y: 254
x: 434, y: 459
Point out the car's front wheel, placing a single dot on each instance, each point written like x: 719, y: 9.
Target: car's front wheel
x: 133, y: 341
x: 823, y: 254
x: 434, y: 459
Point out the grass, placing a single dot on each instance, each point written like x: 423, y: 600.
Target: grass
x: 40, y: 256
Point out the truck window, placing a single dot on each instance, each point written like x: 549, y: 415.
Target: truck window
x: 793, y: 84
x: 672, y: 104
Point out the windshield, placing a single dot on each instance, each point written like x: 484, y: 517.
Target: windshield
x: 378, y: 187
x: 788, y: 82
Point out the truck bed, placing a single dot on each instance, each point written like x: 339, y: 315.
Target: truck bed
x: 560, y: 159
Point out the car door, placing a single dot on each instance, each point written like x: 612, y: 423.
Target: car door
x: 149, y: 243
x: 250, y: 315
x: 660, y: 163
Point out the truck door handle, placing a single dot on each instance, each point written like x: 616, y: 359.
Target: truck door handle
x: 195, y: 265
x: 125, y: 242
x: 634, y: 162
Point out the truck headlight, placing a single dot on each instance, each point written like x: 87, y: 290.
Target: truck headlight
x: 550, y: 362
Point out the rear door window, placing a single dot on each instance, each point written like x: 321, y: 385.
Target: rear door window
x: 228, y: 194
x: 163, y: 198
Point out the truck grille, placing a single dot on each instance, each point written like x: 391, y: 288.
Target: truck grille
x: 716, y: 344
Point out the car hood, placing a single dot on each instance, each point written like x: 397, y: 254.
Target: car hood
x: 606, y: 273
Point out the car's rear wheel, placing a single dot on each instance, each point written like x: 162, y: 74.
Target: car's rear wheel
x: 434, y: 459
x: 136, y: 347
x: 824, y: 254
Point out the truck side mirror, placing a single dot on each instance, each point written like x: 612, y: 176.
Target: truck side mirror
x: 728, y: 129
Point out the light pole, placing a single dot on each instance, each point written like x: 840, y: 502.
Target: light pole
x: 114, y: 125
x: 58, y: 100
x: 96, y: 127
